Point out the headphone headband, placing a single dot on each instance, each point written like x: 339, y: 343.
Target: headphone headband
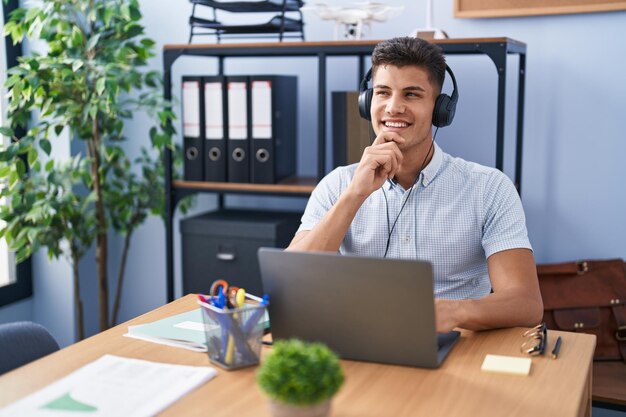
x: 455, y: 91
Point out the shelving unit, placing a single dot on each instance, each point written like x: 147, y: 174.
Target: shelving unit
x: 497, y: 49
x: 280, y: 25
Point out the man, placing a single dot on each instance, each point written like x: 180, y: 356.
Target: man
x: 406, y: 198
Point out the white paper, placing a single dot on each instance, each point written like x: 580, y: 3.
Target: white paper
x: 195, y: 326
x: 168, y: 342
x: 113, y: 386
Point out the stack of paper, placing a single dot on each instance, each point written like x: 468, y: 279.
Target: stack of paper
x: 112, y: 387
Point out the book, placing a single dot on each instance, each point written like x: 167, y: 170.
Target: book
x: 185, y: 330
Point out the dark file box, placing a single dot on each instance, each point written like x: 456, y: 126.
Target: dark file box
x: 351, y: 133
x: 239, y: 130
x: 273, y: 109
x: 193, y: 126
x: 223, y: 245
x: 215, y: 123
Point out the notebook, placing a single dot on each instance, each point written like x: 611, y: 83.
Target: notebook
x: 368, y: 309
x: 186, y: 330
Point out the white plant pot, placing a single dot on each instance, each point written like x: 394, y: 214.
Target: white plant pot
x: 279, y: 409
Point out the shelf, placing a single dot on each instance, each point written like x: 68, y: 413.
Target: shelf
x: 290, y: 186
x: 497, y: 49
x: 276, y: 25
x: 279, y: 26
x: 354, y: 47
x: 252, y: 6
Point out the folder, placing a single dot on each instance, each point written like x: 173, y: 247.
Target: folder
x: 215, y: 122
x: 192, y: 132
x: 274, y: 128
x: 185, y: 330
x: 238, y: 146
x: 351, y: 133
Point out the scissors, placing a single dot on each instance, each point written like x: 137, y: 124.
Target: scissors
x: 219, y: 287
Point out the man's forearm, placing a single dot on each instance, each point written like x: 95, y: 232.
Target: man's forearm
x: 328, y: 234
x: 492, y: 311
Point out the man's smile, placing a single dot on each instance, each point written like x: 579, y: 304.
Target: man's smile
x: 396, y: 123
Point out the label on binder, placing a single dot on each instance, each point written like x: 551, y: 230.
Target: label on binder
x: 213, y: 111
x: 237, y: 111
x: 261, y: 109
x: 191, y: 109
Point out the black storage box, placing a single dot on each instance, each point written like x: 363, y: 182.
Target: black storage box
x: 223, y: 244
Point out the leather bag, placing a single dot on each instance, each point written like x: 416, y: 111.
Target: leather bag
x: 588, y: 297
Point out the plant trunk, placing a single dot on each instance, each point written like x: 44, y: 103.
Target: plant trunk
x: 77, y: 303
x: 101, y: 239
x: 120, y: 277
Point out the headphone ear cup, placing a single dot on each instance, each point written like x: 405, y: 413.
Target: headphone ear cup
x: 365, y: 103
x: 442, y: 116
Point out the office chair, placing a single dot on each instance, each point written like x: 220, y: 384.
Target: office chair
x: 22, y: 342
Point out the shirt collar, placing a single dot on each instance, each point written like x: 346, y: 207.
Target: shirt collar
x: 432, y: 169
x: 428, y: 173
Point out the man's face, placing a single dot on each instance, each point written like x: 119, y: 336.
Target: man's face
x: 403, y: 102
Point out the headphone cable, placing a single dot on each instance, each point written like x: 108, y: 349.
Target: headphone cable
x: 390, y: 229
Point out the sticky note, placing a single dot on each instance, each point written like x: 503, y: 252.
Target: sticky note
x: 510, y: 365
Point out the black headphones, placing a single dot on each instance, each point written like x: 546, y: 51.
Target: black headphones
x: 443, y: 112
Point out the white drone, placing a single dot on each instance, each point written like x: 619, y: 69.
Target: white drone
x: 353, y: 19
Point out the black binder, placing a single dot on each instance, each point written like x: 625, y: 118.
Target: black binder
x: 215, y: 122
x: 238, y: 103
x: 192, y: 128
x: 351, y: 133
x: 274, y: 127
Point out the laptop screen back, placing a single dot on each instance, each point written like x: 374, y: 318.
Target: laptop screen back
x: 369, y: 309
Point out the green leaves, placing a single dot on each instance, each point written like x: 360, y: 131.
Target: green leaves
x: 92, y: 77
x: 45, y: 145
x: 76, y: 37
x: 300, y: 373
x: 7, y: 131
x: 93, y: 40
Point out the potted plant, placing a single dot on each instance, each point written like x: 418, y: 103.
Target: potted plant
x: 300, y: 378
x: 88, y: 82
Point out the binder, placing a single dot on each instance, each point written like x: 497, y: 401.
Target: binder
x: 215, y: 122
x: 192, y: 132
x: 274, y: 128
x: 351, y: 133
x: 238, y: 98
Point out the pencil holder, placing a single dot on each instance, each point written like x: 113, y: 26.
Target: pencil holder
x: 234, y: 335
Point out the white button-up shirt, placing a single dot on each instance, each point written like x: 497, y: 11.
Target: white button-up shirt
x: 458, y: 214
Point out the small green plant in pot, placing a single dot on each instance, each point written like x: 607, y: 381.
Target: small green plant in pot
x: 300, y: 378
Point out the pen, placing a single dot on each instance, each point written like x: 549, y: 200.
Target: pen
x: 557, y: 346
x: 240, y: 298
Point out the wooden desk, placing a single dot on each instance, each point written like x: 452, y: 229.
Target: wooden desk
x: 609, y: 385
x: 554, y: 387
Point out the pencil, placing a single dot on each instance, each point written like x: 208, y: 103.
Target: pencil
x: 557, y: 346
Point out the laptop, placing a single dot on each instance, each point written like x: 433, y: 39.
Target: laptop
x: 366, y: 309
